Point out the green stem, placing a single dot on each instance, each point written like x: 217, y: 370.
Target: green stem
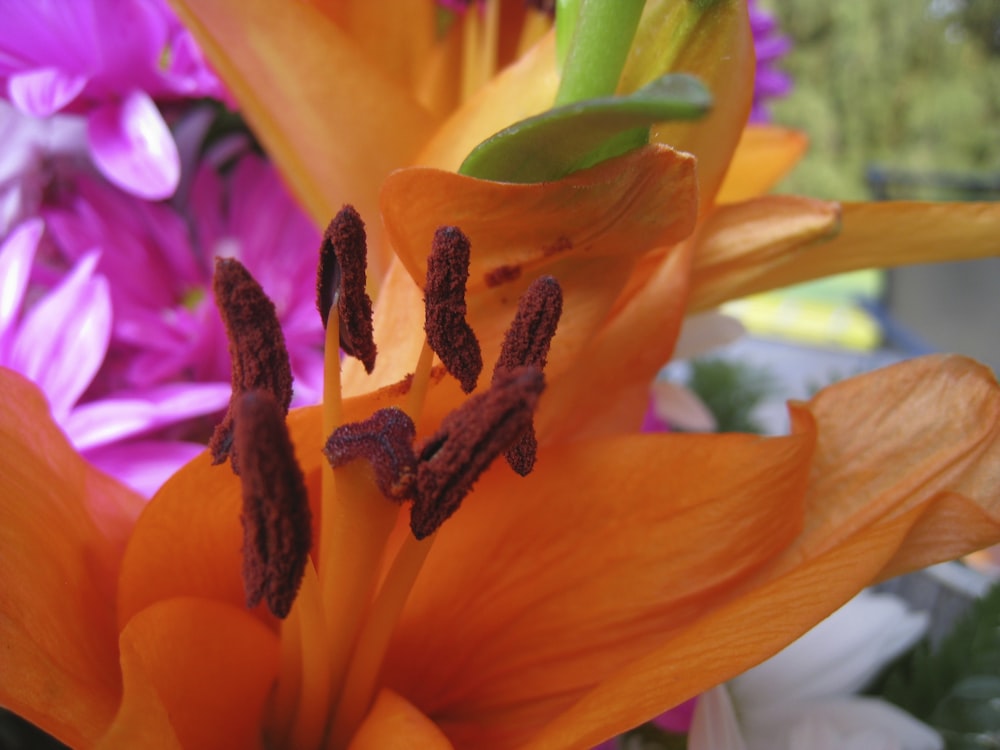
x: 601, y: 40
x: 567, y: 12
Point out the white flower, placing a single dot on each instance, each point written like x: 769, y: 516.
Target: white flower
x: 802, y: 698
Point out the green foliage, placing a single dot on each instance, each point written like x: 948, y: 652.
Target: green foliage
x: 956, y: 689
x: 890, y: 83
x: 650, y: 737
x: 731, y: 391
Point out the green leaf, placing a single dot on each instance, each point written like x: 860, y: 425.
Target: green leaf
x: 969, y: 715
x: 956, y: 689
x: 579, y: 135
x: 732, y: 391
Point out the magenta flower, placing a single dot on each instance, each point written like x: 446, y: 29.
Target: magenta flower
x: 770, y: 46
x: 106, y: 60
x: 60, y: 342
x: 159, y: 260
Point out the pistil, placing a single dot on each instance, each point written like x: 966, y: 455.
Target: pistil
x: 356, y: 519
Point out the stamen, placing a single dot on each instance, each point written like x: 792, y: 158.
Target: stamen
x: 256, y: 347
x: 277, y: 532
x: 385, y: 440
x: 527, y: 343
x: 467, y: 442
x: 340, y: 281
x: 448, y: 333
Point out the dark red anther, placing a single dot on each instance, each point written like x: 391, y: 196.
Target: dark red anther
x: 469, y: 439
x: 448, y: 333
x: 277, y: 531
x: 527, y: 343
x: 385, y: 440
x: 340, y: 281
x: 256, y: 347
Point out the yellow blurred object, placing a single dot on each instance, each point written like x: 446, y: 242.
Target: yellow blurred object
x: 817, y: 322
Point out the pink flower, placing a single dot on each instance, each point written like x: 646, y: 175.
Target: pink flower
x: 106, y: 60
x: 59, y: 341
x: 159, y: 259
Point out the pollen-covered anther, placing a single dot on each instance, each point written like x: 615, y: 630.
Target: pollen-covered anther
x: 385, y: 440
x: 277, y: 530
x: 448, y: 333
x: 527, y: 343
x: 256, y: 348
x: 469, y: 439
x: 340, y: 281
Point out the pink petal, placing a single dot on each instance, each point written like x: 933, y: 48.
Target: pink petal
x: 16, y: 256
x: 102, y: 422
x: 144, y: 466
x: 45, y: 91
x: 133, y: 147
x: 106, y: 421
x: 62, y: 342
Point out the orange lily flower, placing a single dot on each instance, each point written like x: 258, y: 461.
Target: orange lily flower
x: 626, y: 574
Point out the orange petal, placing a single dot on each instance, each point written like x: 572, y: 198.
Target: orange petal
x: 924, y: 435
x: 63, y: 527
x: 742, y: 243
x: 333, y: 122
x: 617, y: 363
x: 905, y: 474
x: 539, y: 588
x: 395, y: 724
x: 872, y: 235
x: 720, y: 52
x: 524, y: 89
x: 764, y: 155
x: 197, y: 674
x: 399, y: 42
x: 586, y: 230
x: 188, y: 541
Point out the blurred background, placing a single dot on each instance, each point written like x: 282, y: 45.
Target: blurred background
x: 901, y: 101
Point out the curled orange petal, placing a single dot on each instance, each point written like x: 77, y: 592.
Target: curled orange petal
x: 763, y: 156
x: 197, y: 674
x: 63, y: 527
x: 395, y: 724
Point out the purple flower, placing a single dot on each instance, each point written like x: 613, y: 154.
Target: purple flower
x: 106, y: 60
x: 770, y: 46
x: 59, y: 341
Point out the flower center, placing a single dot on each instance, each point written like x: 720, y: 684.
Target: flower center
x: 341, y: 596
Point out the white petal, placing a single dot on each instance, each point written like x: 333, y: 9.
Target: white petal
x: 681, y: 408
x: 704, y: 332
x: 837, y: 657
x: 715, y: 726
x: 853, y: 723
